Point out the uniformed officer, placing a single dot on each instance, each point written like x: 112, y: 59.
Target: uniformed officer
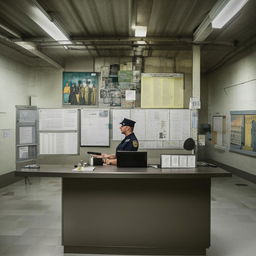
x: 129, y: 143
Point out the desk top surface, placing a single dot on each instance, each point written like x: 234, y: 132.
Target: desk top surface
x: 65, y: 171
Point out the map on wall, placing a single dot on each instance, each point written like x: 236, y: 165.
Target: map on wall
x: 243, y: 132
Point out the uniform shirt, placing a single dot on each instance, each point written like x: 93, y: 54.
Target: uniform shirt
x: 129, y: 143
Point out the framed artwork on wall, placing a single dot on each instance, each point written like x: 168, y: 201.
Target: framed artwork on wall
x: 80, y: 88
x: 243, y: 132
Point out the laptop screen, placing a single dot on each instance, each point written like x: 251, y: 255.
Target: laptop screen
x: 131, y: 159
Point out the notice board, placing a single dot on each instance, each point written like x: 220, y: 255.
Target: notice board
x: 162, y: 90
x: 155, y: 128
x: 243, y: 132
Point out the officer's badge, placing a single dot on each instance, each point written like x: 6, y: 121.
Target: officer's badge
x: 135, y: 143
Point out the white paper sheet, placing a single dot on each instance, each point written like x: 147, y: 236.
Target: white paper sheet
x: 174, y: 161
x: 165, y: 161
x: 157, y: 125
x: 94, y: 127
x: 27, y: 115
x: 58, y: 143
x: 26, y: 135
x: 130, y: 94
x: 183, y: 161
x: 58, y: 119
x: 179, y: 124
x: 23, y: 152
x: 191, y: 160
x: 138, y: 115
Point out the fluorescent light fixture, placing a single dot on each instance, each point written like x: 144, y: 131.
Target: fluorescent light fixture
x: 48, y: 26
x: 140, y: 31
x: 9, y: 31
x: 229, y: 10
x: 26, y: 45
x: 141, y: 42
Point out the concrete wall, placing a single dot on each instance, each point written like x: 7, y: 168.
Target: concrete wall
x: 232, y: 88
x: 15, y: 77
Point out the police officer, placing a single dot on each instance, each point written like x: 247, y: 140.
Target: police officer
x: 129, y: 143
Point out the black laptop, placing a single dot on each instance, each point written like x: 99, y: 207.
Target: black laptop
x: 131, y: 159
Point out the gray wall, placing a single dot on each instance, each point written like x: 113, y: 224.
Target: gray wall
x: 15, y: 77
x: 231, y: 88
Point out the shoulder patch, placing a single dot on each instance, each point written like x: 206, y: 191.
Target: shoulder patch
x: 135, y: 143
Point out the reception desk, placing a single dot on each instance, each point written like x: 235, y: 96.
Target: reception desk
x: 134, y: 210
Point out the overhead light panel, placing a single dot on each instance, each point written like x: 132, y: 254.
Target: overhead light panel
x: 140, y: 31
x: 48, y: 26
x: 9, y: 31
x: 229, y: 11
x: 140, y: 42
x: 27, y: 45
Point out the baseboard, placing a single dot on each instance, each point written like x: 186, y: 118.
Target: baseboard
x: 8, y: 178
x: 245, y: 175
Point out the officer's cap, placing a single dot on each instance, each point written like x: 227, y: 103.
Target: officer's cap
x: 128, y: 122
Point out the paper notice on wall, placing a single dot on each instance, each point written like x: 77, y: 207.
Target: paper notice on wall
x: 194, y: 103
x: 23, y: 152
x: 58, y: 119
x: 58, y: 143
x: 130, y: 95
x: 26, y: 135
x: 95, y: 127
x: 179, y: 124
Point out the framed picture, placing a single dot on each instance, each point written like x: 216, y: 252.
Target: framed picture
x: 243, y: 132
x: 80, y: 88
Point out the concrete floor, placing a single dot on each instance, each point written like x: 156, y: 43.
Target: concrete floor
x: 30, y: 218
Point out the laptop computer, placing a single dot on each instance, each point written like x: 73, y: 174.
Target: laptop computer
x: 131, y: 159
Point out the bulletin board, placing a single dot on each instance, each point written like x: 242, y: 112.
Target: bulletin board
x: 58, y: 131
x: 26, y: 133
x: 156, y: 128
x: 162, y: 90
x: 243, y: 132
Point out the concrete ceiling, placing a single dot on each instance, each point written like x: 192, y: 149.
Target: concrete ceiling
x: 102, y: 28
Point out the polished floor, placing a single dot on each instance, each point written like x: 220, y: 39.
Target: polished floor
x: 30, y: 218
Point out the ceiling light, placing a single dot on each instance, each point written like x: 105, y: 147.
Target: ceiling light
x: 9, y: 31
x: 48, y: 26
x: 140, y: 31
x: 141, y: 42
x: 229, y: 10
x: 26, y: 45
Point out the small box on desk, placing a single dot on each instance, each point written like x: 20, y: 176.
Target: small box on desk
x: 178, y: 161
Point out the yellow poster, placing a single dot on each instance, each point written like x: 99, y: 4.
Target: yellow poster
x: 236, y: 129
x: 160, y: 90
x: 250, y: 133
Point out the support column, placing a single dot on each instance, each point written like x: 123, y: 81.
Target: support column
x: 195, y: 90
x: 196, y: 71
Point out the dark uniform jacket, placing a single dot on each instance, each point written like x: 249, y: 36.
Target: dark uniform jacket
x: 129, y: 143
